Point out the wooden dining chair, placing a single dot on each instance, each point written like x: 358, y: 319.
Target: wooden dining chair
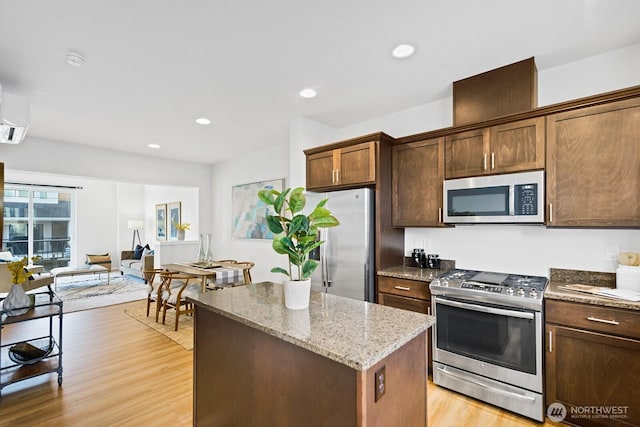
x: 154, y: 284
x: 174, y: 292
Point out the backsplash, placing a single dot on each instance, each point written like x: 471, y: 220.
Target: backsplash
x: 593, y: 278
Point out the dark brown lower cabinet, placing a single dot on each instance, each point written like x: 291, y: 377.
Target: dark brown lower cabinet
x: 246, y: 377
x: 593, y: 373
x: 412, y: 295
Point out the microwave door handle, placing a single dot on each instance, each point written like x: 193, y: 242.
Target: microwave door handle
x: 512, y: 202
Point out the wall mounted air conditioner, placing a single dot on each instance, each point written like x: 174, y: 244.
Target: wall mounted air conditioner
x: 15, y: 117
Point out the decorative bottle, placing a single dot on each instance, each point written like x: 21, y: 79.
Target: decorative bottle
x: 202, y: 255
x: 209, y: 256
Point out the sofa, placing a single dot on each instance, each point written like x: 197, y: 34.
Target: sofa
x: 136, y: 267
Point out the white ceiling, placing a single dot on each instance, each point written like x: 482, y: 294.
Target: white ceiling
x: 153, y: 66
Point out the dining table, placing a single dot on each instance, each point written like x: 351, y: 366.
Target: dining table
x: 220, y: 272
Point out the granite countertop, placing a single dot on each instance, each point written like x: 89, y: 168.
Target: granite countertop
x: 561, y: 277
x: 355, y: 333
x: 410, y: 273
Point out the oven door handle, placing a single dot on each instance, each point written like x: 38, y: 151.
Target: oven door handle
x: 483, y: 309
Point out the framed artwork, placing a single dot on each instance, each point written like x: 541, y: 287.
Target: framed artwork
x: 174, y: 215
x: 161, y: 222
x: 249, y: 214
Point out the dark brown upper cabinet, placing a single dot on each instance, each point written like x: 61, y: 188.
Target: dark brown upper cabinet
x: 593, y: 166
x: 417, y: 176
x: 504, y: 148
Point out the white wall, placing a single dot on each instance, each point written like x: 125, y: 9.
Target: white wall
x: 516, y: 249
x: 117, y: 187
x: 264, y: 165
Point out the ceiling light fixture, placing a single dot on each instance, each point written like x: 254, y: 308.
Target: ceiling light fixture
x: 403, y: 51
x: 203, y: 121
x: 308, y: 93
x: 75, y: 59
x: 153, y: 146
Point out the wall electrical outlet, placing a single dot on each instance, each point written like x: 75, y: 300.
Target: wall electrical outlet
x: 380, y: 383
x: 611, y: 253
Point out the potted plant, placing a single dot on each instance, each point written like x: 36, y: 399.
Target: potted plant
x: 296, y: 235
x: 181, y: 228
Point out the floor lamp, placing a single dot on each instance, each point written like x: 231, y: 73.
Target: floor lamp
x: 135, y: 225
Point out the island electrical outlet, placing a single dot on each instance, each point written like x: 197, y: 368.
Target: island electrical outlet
x: 380, y: 383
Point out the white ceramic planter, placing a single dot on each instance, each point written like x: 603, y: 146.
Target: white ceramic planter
x: 297, y: 293
x: 16, y: 297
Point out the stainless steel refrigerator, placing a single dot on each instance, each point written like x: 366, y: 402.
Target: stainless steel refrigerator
x: 347, y: 261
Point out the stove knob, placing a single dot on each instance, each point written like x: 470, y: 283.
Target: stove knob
x: 533, y: 293
x: 509, y: 291
x: 520, y: 292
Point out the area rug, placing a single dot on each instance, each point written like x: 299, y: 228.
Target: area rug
x: 82, y: 293
x: 184, y: 335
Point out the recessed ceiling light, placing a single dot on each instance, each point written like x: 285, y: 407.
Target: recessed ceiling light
x: 403, y: 51
x: 308, y: 93
x: 203, y: 121
x: 153, y: 146
x: 75, y: 59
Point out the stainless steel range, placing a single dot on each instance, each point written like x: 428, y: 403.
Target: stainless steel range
x: 488, y: 338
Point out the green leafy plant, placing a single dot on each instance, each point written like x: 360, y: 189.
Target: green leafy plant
x: 296, y: 234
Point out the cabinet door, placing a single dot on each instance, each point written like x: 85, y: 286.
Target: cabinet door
x: 591, y: 370
x: 465, y: 154
x: 517, y: 146
x: 357, y: 164
x: 593, y: 159
x: 418, y: 172
x: 320, y: 170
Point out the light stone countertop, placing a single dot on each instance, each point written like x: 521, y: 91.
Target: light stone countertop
x: 560, y: 277
x: 410, y: 273
x: 355, y: 333
x: 556, y: 292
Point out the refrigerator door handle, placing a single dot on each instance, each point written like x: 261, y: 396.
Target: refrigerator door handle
x: 327, y: 277
x: 323, y: 260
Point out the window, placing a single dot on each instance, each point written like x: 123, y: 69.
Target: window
x: 37, y: 222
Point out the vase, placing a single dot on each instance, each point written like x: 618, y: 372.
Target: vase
x: 209, y: 255
x: 180, y: 234
x: 297, y: 294
x: 202, y: 254
x: 17, y: 301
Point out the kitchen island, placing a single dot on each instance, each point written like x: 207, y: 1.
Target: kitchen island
x: 258, y: 363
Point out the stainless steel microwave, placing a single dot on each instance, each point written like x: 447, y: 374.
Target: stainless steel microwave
x: 509, y: 198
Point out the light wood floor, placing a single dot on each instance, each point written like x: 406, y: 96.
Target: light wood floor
x: 118, y: 371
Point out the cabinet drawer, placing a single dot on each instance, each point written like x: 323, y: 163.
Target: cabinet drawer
x: 405, y: 303
x: 609, y: 320
x: 404, y: 287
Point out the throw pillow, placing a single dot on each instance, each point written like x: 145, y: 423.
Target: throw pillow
x: 147, y: 251
x: 96, y: 259
x: 137, y: 252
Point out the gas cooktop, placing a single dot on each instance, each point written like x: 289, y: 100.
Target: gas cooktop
x: 512, y: 290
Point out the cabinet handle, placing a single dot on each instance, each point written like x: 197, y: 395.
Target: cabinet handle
x: 550, y: 341
x: 403, y: 288
x: 484, y: 161
x: 550, y: 212
x: 493, y: 160
x: 333, y: 176
x: 337, y: 175
x: 440, y: 215
x: 429, y: 311
x: 608, y: 322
